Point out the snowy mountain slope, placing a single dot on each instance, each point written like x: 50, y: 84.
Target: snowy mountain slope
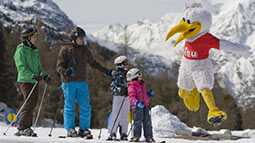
x: 233, y: 20
x: 237, y: 24
x: 144, y: 36
x: 21, y: 12
x: 143, y: 41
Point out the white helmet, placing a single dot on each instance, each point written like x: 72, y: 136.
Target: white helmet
x: 119, y: 61
x: 132, y: 74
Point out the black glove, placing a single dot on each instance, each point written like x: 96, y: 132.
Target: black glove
x: 150, y: 93
x: 46, y: 78
x: 68, y: 72
x: 109, y: 73
x: 37, y: 78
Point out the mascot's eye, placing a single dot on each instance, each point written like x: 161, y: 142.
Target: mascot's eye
x: 183, y: 19
x: 188, y: 21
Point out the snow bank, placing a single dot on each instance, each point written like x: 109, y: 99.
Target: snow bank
x: 164, y: 123
x: 3, y: 110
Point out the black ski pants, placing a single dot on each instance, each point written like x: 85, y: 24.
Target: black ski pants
x: 142, y: 117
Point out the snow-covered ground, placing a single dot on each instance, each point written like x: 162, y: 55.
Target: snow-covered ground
x: 44, y: 138
x: 163, y: 122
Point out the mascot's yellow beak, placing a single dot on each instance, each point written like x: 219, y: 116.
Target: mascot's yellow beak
x: 186, y: 29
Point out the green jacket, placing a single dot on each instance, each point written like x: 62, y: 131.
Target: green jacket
x: 28, y: 64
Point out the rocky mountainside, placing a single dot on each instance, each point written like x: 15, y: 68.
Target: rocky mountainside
x: 22, y: 12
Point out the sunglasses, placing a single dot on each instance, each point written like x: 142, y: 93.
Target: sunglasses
x: 123, y: 64
x: 139, y: 73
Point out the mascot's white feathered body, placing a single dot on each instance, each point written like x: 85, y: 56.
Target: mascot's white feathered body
x: 196, y: 73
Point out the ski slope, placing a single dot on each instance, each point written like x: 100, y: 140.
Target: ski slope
x: 164, y: 124
x: 44, y: 138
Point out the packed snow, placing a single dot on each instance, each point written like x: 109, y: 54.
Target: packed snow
x: 233, y: 20
x: 164, y: 124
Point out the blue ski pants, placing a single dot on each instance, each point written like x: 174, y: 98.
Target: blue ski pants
x: 79, y: 91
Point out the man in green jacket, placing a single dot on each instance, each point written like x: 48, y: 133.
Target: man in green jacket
x: 30, y: 71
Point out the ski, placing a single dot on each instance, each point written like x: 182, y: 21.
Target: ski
x: 150, y: 142
x: 34, y: 135
x: 113, y: 140
x: 189, y: 135
x: 63, y: 137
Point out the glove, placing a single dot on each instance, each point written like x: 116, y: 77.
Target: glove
x: 109, y: 72
x: 68, y: 72
x: 37, y: 78
x: 150, y: 93
x: 138, y: 104
x: 46, y: 78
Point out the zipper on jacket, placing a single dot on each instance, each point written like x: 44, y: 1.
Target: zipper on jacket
x: 142, y: 96
x: 73, y: 60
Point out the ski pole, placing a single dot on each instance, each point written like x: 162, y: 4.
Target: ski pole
x: 99, y: 136
x: 21, y: 108
x: 118, y: 114
x: 40, y: 107
x: 107, y: 100
x: 55, y: 116
x: 132, y: 125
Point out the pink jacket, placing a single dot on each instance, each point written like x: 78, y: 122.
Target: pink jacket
x: 137, y: 91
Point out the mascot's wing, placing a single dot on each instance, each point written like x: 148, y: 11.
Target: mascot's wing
x: 235, y: 48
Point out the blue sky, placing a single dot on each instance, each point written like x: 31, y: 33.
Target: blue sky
x: 94, y: 14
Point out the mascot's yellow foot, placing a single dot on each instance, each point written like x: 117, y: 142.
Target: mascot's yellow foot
x: 216, y: 117
x: 191, y: 98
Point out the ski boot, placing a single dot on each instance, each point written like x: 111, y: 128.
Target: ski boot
x: 26, y: 132
x: 149, y: 139
x: 135, y: 139
x: 112, y: 137
x: 123, y: 137
x: 72, y: 133
x: 85, y: 133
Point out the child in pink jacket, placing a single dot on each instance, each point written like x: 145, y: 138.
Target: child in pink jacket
x: 139, y: 100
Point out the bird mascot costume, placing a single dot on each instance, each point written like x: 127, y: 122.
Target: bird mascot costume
x: 196, y: 73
